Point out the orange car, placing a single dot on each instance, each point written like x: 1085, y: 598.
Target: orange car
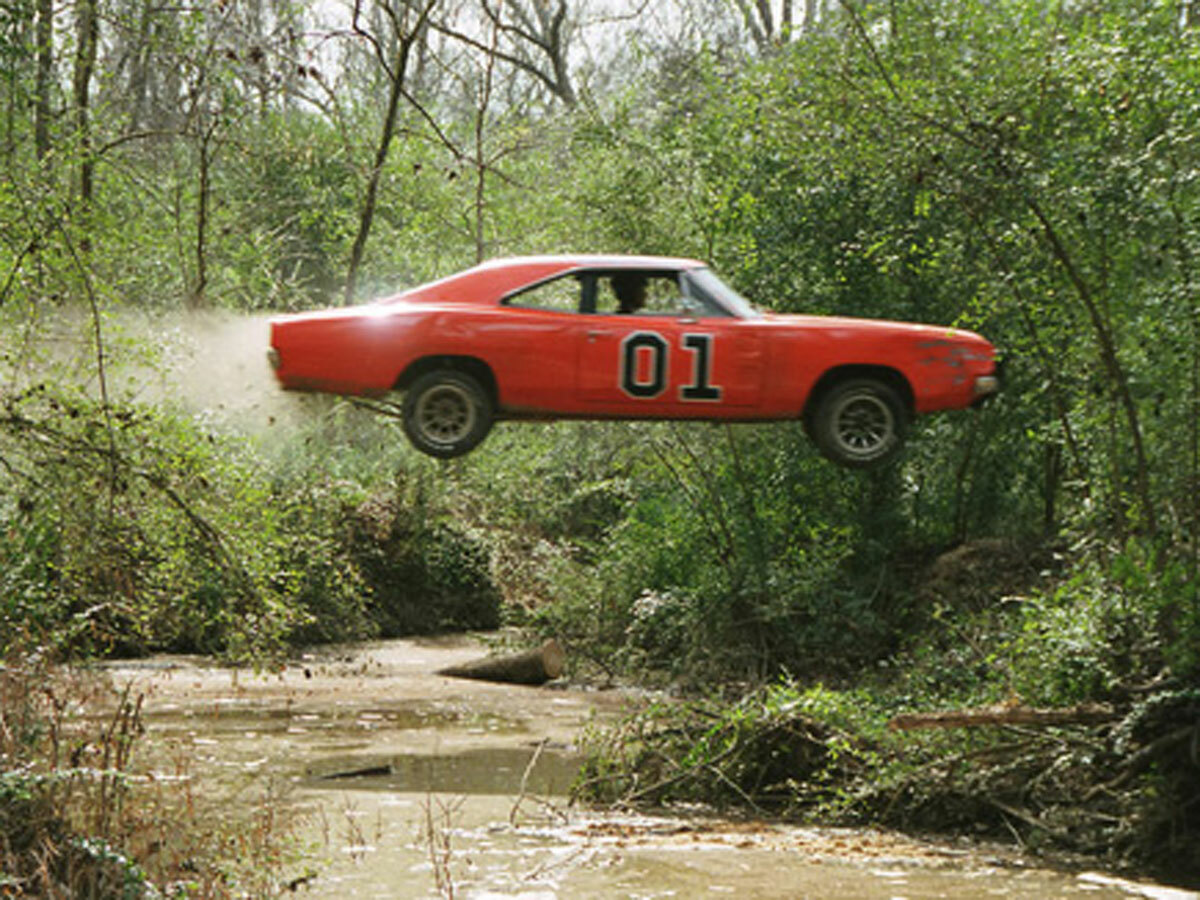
x: 627, y: 337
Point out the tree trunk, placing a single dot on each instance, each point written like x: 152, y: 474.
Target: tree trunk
x: 534, y: 667
x: 1111, y: 361
x: 197, y: 296
x: 367, y: 216
x: 480, y: 162
x: 45, y: 76
x: 139, y: 70
x: 810, y: 16
x: 1004, y: 715
x: 1189, y: 14
x: 85, y: 64
x: 388, y: 131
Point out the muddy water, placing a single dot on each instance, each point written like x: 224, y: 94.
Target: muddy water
x: 415, y: 785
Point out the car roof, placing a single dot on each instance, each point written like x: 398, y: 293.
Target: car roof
x: 593, y: 261
x: 495, y: 278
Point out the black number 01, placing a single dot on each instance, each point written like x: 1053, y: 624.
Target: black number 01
x: 656, y: 378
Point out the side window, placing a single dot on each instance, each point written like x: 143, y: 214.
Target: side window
x: 640, y: 293
x: 700, y: 301
x: 561, y: 295
x: 663, y: 297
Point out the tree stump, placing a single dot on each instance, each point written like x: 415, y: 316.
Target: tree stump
x: 534, y: 667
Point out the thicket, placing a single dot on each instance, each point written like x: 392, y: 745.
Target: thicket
x: 1023, y: 169
x: 127, y: 530
x: 1123, y: 792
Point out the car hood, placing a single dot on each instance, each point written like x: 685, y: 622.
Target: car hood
x: 836, y: 327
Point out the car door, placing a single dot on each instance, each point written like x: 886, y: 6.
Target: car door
x: 671, y: 359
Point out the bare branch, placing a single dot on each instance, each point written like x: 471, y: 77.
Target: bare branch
x: 363, y: 34
x: 444, y: 138
x: 544, y: 31
x: 553, y: 82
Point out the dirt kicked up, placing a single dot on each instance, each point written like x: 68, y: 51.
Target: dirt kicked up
x: 409, y: 784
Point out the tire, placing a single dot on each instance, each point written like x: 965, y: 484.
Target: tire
x: 859, y: 422
x: 446, y: 413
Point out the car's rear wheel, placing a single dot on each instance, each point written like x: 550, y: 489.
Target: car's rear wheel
x: 859, y: 422
x: 446, y: 413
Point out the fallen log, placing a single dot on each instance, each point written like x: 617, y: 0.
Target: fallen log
x: 537, y: 666
x: 1004, y: 715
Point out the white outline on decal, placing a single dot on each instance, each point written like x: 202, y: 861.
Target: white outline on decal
x: 660, y: 347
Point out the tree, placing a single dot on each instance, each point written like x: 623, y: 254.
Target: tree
x: 407, y: 21
x: 45, y: 77
x: 86, y: 40
x: 771, y: 26
x: 536, y: 35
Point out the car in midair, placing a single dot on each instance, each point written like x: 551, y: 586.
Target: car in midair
x: 628, y: 337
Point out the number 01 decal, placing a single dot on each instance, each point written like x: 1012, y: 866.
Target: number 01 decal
x: 650, y: 383
x: 645, y: 366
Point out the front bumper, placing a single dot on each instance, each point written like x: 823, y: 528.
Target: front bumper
x: 987, y: 386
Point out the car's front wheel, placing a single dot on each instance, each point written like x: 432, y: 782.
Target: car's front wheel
x: 859, y: 422
x: 446, y: 413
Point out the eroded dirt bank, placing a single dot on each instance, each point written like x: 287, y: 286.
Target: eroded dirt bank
x: 415, y: 785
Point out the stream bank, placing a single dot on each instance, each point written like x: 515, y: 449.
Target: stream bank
x: 409, y: 784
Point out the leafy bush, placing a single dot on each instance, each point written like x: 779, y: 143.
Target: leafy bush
x: 724, y: 565
x: 781, y: 747
x: 1113, y: 624
x: 423, y: 574
x: 127, y: 529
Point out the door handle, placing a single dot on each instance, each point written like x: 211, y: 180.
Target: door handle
x: 592, y: 335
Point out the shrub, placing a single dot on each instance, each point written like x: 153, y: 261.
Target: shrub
x: 424, y: 574
x: 125, y: 529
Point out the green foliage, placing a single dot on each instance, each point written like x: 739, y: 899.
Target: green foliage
x: 424, y: 575
x: 825, y: 755
x: 1117, y: 621
x: 720, y: 566
x: 288, y: 229
x: 779, y: 748
x: 128, y: 529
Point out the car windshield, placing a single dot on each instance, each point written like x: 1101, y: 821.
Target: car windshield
x: 704, y: 286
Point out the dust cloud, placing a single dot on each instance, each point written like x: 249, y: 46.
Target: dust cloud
x: 214, y: 365
x: 211, y: 365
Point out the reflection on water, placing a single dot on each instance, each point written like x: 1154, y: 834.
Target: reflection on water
x: 506, y: 771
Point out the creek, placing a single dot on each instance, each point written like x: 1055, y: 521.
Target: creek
x: 409, y: 784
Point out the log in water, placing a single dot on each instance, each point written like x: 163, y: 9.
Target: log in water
x: 534, y: 667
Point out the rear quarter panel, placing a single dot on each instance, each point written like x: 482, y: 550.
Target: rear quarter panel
x: 345, y: 352
x: 530, y: 352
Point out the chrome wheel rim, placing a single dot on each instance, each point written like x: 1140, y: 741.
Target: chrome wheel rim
x: 445, y: 414
x: 864, y: 424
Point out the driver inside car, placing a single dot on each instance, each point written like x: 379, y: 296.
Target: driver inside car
x: 630, y: 289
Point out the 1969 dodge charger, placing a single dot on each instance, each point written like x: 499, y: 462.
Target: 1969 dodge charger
x: 627, y: 337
